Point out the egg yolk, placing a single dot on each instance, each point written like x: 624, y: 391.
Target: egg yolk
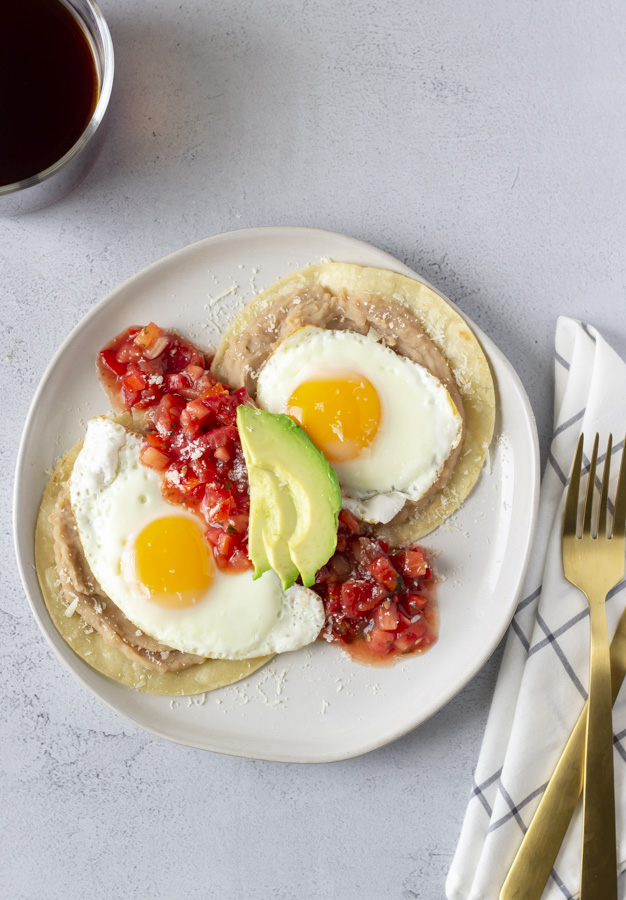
x: 341, y: 415
x: 173, y: 561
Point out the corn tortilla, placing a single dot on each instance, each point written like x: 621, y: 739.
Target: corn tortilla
x: 435, y: 317
x: 91, y: 647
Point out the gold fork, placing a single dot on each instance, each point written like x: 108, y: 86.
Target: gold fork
x: 534, y: 860
x: 594, y: 563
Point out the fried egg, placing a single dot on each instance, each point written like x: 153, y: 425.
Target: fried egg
x: 151, y: 558
x: 384, y: 422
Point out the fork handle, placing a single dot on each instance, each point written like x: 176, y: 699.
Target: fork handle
x: 598, y: 875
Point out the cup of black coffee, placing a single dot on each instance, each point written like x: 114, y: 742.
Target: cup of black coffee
x: 56, y: 76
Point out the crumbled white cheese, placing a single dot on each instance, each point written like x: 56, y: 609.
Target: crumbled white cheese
x: 71, y: 609
x: 231, y: 290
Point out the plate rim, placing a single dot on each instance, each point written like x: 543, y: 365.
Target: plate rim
x: 75, y: 663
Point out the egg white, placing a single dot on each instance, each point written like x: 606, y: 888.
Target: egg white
x: 419, y: 428
x: 113, y: 498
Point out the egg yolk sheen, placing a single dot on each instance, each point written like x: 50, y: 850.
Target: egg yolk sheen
x: 341, y: 415
x: 173, y: 561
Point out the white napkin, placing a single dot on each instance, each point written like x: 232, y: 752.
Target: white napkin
x: 541, y: 687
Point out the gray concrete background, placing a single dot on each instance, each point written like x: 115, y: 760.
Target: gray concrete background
x: 481, y: 143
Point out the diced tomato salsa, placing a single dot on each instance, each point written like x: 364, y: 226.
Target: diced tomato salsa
x: 193, y: 441
x: 380, y: 603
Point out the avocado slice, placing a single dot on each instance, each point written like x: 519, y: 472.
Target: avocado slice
x: 303, y: 482
x: 256, y: 544
x: 280, y: 521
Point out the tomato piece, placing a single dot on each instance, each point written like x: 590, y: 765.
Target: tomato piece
x: 410, y: 638
x: 380, y: 641
x: 212, y: 534
x: 413, y: 563
x: 239, y: 560
x: 130, y: 398
x: 108, y: 360
x: 128, y: 352
x: 151, y: 367
x: 360, y: 596
x: 379, y: 593
x: 148, y: 335
x: 177, y: 382
x: 217, y: 505
x: 346, y: 630
x: 218, y: 437
x: 194, y: 371
x: 188, y: 487
x: 153, y: 458
x: 412, y: 604
x: 149, y: 397
x: 384, y: 573
x: 353, y: 593
x: 226, y: 544
x: 167, y: 415
x: 239, y: 524
x: 365, y: 550
x: 241, y: 395
x: 135, y: 381
x: 206, y: 470
x: 180, y: 355
x: 208, y: 387
x: 351, y: 522
x: 386, y: 616
x: 334, y: 595
x: 198, y: 412
x: 156, y: 440
x: 190, y: 424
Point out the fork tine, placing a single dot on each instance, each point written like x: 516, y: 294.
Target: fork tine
x: 590, y: 487
x: 604, y: 493
x: 571, y: 501
x: 619, y: 514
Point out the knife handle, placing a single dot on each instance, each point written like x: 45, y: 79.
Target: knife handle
x: 534, y: 860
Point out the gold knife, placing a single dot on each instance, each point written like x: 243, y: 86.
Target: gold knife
x: 534, y: 860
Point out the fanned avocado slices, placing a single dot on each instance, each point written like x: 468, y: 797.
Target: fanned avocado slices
x: 294, y: 497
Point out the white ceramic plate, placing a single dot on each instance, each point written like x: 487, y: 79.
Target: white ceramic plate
x: 312, y: 705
